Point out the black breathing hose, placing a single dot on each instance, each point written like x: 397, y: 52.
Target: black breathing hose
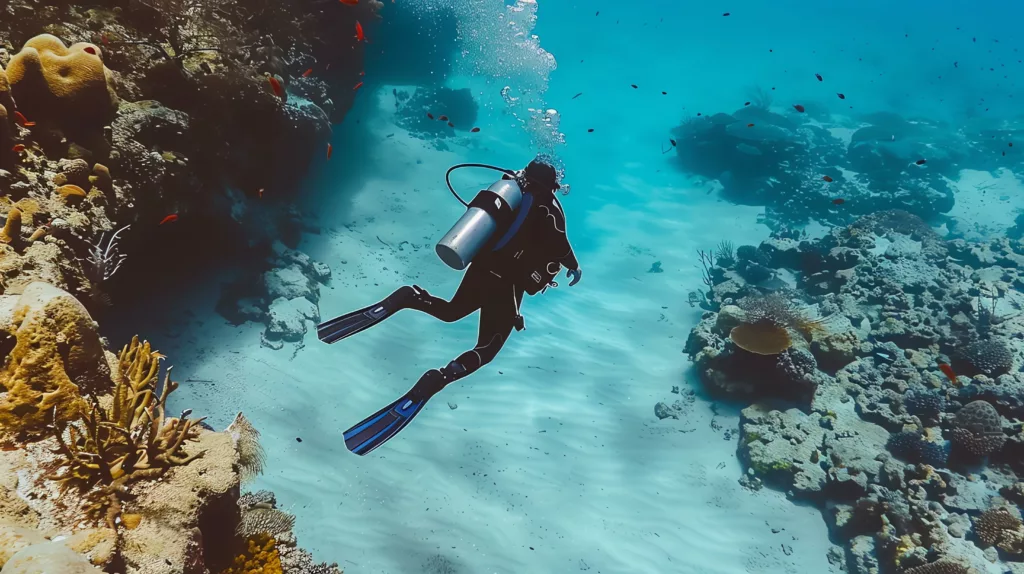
x: 447, y: 176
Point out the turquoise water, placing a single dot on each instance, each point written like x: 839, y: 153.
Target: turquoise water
x: 550, y: 459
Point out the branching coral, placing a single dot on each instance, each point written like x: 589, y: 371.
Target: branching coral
x: 131, y: 437
x: 251, y: 457
x: 943, y: 566
x: 999, y: 527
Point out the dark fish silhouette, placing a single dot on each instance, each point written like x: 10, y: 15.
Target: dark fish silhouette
x: 921, y: 162
x: 798, y: 108
x: 841, y: 96
x: 820, y: 79
x: 577, y: 95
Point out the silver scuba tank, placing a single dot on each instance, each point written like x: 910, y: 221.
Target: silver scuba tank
x: 492, y: 209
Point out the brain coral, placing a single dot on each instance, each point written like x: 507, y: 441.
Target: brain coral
x: 978, y: 429
x: 992, y: 357
x: 69, y: 85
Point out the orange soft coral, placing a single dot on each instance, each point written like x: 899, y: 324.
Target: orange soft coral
x: 260, y: 558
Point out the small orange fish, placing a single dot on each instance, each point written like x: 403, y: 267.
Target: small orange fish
x: 827, y: 178
x: 22, y: 120
x: 948, y: 371
x: 260, y: 193
x: 443, y: 118
x: 307, y: 73
x: 474, y: 130
x: 276, y: 86
x: 18, y: 148
x: 838, y: 201
x: 359, y: 32
x: 357, y: 86
x: 349, y: 2
x: 330, y: 150
x: 89, y: 50
x: 169, y: 219
x: 750, y: 125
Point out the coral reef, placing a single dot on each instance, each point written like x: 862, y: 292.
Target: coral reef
x: 865, y: 417
x: 251, y: 458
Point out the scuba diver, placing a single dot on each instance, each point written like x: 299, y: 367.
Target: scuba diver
x: 513, y: 239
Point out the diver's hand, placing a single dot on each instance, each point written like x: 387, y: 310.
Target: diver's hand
x: 574, y: 275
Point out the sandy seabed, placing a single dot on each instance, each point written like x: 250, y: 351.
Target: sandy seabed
x: 550, y: 459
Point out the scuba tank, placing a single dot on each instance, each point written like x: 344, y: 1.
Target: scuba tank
x: 492, y: 210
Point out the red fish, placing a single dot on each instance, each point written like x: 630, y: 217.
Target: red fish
x: 22, y: 120
x: 307, y: 73
x: 104, y: 39
x: 443, y: 118
x: 750, y: 125
x: 841, y: 96
x: 948, y: 371
x: 276, y: 86
x: 18, y: 148
x: 820, y: 79
x: 169, y: 219
x: 359, y: 32
x: 349, y: 2
x: 260, y: 193
x: 474, y: 130
x: 827, y: 178
x: 330, y: 150
x: 798, y: 108
x: 921, y: 161
x: 430, y: 115
x: 838, y: 201
x: 357, y: 86
x: 89, y: 50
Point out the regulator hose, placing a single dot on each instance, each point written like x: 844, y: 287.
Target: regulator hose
x: 447, y: 176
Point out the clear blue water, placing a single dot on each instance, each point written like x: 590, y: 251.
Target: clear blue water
x: 553, y: 460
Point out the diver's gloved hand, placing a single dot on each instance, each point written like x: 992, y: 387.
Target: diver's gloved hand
x: 574, y: 275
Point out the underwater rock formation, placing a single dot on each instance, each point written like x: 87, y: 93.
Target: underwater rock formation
x: 885, y: 442
x: 794, y: 164
x: 122, y: 116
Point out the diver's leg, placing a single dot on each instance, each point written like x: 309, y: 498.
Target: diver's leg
x: 498, y: 316
x: 475, y: 286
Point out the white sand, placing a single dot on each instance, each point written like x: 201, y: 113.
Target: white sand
x: 553, y: 460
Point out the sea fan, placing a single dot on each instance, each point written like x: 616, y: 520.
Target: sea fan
x: 251, y: 457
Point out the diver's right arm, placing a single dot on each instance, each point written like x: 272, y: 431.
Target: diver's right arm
x: 568, y: 260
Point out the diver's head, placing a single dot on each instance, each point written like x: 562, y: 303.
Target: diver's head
x: 541, y: 175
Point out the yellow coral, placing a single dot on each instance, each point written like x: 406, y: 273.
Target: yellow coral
x: 100, y: 178
x: 67, y: 84
x: 12, y: 228
x: 261, y: 557
x: 761, y: 338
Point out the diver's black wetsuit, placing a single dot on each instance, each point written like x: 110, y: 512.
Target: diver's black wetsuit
x: 524, y: 260
x: 490, y: 286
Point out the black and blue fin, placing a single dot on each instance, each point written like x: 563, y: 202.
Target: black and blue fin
x: 357, y: 321
x: 384, y: 424
x: 387, y: 422
x: 347, y: 325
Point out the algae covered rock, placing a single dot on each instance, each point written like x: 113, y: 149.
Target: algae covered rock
x: 15, y: 538
x: 57, y: 352
x: 68, y: 85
